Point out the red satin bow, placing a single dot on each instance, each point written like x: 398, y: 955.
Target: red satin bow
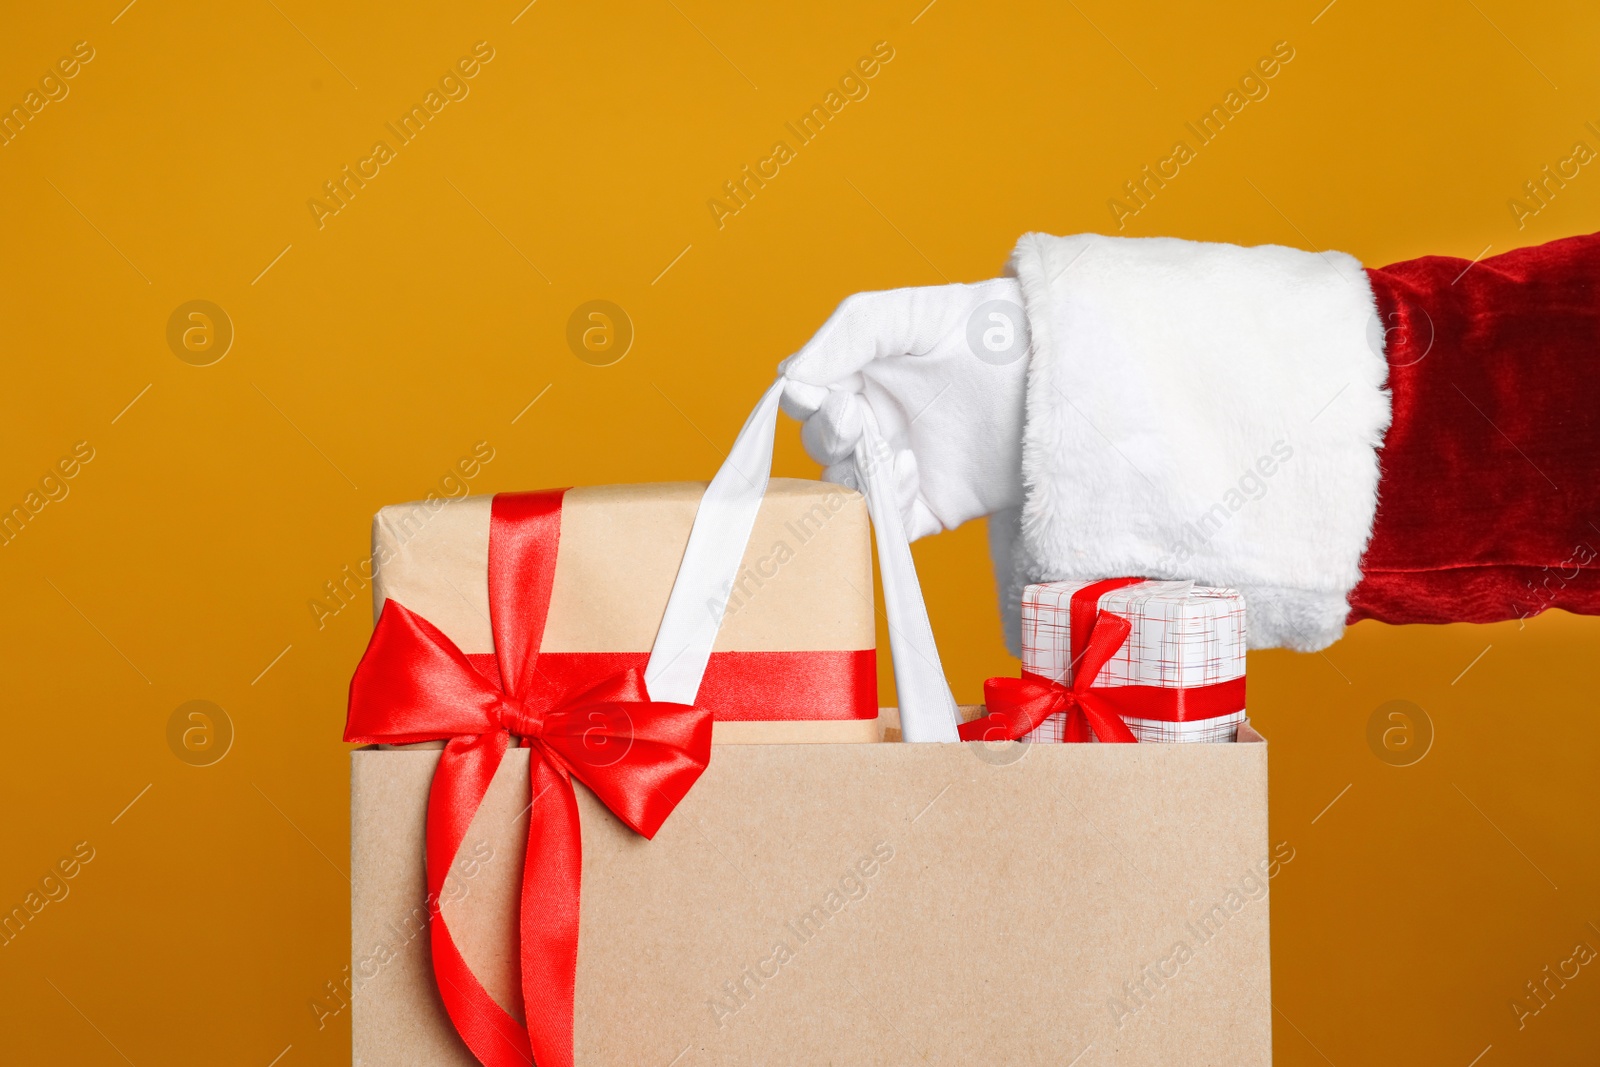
x: 638, y: 756
x: 1018, y: 705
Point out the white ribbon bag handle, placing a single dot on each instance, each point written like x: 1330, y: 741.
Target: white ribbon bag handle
x: 716, y: 547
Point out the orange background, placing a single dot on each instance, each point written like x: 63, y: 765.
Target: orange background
x: 373, y: 353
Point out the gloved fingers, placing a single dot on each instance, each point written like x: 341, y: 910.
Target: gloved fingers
x: 921, y: 522
x: 917, y: 518
x: 843, y: 473
x: 831, y: 433
x: 800, y: 400
x: 869, y: 326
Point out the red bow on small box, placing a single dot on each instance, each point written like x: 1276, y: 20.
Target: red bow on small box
x: 638, y: 756
x: 1017, y: 706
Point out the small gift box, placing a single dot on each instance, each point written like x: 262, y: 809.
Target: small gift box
x: 1177, y: 676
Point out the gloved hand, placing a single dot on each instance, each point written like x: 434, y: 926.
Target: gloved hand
x: 942, y: 368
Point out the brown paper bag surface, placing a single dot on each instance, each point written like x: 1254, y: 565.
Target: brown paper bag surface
x: 859, y: 904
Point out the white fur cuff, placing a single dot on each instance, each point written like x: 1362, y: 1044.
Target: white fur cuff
x: 1199, y: 411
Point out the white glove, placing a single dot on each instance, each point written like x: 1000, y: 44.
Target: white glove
x: 943, y: 369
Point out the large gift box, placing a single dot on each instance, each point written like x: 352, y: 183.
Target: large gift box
x: 794, y: 658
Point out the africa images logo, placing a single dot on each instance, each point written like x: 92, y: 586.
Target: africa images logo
x: 853, y: 86
x: 452, y: 86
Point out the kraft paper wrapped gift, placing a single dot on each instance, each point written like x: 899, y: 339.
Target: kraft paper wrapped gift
x: 803, y: 593
x: 857, y: 905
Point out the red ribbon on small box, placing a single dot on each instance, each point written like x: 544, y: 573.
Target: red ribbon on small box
x: 1017, y: 706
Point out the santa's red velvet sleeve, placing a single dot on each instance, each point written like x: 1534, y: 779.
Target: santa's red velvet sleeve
x: 1489, y: 493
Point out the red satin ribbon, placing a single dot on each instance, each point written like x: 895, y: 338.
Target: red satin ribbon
x: 638, y: 756
x: 741, y: 686
x: 1017, y: 706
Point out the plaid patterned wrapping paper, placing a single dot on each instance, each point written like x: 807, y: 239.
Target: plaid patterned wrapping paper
x: 1183, y: 635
